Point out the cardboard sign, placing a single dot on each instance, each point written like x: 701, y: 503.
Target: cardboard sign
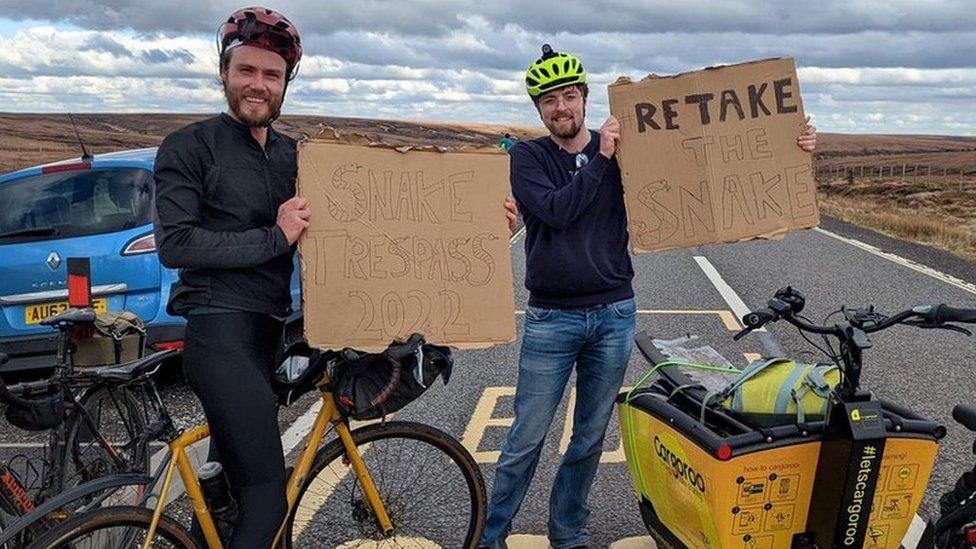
x: 711, y: 156
x: 404, y: 240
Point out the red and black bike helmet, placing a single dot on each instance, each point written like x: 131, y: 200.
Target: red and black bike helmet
x: 263, y: 28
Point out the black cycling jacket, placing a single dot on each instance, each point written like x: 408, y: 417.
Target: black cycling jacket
x: 217, y: 199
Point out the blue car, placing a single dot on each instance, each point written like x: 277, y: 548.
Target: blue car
x: 103, y: 210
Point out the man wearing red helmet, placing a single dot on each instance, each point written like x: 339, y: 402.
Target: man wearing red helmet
x: 228, y: 219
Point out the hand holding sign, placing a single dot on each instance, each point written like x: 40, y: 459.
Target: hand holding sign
x: 808, y: 139
x: 511, y: 213
x: 293, y: 218
x: 609, y: 137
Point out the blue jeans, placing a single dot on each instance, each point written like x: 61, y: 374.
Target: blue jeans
x: 597, y: 340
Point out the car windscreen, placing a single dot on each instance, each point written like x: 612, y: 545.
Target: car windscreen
x: 75, y: 203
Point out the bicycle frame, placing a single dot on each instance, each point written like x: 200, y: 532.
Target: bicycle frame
x: 56, y: 452
x: 329, y: 413
x: 56, y: 449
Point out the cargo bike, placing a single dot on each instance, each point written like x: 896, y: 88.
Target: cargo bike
x: 785, y: 454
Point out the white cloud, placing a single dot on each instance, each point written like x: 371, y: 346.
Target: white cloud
x: 46, y: 50
x: 870, y: 65
x: 886, y: 76
x: 453, y: 95
x: 465, y: 41
x: 334, y: 85
x: 122, y: 94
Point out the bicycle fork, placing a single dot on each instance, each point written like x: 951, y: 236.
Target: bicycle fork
x: 365, y: 480
x: 329, y: 413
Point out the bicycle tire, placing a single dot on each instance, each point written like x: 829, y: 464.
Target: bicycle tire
x: 104, y: 518
x: 330, y: 464
x: 87, y: 456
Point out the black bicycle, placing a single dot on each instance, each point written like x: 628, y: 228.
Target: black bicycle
x: 97, y: 420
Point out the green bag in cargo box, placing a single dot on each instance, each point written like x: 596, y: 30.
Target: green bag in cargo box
x: 778, y: 390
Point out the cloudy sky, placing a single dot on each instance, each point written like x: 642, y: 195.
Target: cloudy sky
x: 868, y: 66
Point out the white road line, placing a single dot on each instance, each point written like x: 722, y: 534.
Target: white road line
x: 914, y: 534
x: 300, y: 427
x: 894, y: 258
x: 728, y: 294
x: 17, y: 445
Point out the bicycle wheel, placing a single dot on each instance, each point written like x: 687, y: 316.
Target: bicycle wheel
x: 116, y: 527
x: 430, y: 485
x: 117, y: 415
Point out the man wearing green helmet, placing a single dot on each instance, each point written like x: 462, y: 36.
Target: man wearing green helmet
x: 581, y: 309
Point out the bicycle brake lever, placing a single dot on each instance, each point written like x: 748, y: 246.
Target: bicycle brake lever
x: 752, y: 321
x: 954, y: 328
x: 934, y: 326
x: 742, y: 334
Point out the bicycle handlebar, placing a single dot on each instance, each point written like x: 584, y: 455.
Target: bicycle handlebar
x: 944, y: 313
x: 931, y: 316
x: 965, y: 416
x: 853, y: 332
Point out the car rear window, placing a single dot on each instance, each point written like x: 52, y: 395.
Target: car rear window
x: 75, y: 203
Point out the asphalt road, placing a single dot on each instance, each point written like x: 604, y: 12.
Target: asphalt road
x: 928, y: 371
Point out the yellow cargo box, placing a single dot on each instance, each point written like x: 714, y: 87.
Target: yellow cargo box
x: 720, y: 484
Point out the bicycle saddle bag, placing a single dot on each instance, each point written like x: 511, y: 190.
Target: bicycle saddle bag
x: 32, y: 414
x: 364, y: 384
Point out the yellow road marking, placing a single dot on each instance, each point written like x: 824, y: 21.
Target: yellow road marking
x: 481, y: 419
x: 611, y: 456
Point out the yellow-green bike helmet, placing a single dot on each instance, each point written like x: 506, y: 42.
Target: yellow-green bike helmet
x: 553, y: 70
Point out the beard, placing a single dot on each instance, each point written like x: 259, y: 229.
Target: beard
x: 254, y: 115
x: 563, y: 131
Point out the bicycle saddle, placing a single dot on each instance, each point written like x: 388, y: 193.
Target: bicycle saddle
x: 71, y: 317
x: 134, y: 369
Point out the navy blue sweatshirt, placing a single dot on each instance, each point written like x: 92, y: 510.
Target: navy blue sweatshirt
x: 576, y: 225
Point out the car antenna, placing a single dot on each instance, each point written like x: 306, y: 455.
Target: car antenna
x: 85, y: 155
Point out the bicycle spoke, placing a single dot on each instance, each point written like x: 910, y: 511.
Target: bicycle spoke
x: 425, y: 493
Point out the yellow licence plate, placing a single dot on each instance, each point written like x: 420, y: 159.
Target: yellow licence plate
x: 33, y: 314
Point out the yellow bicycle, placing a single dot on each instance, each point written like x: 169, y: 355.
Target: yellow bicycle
x: 389, y: 484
